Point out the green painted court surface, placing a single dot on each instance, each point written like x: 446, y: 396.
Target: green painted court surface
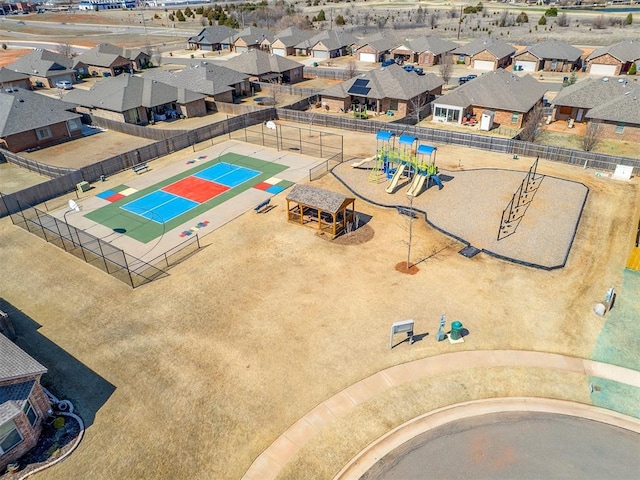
x: 144, y: 225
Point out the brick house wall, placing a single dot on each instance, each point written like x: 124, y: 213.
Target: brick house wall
x: 294, y: 75
x: 24, y: 83
x: 197, y: 108
x: 502, y: 117
x: 527, y: 57
x: 226, y: 97
x: 485, y: 56
x: 97, y: 71
x: 461, y: 59
x: 605, y: 59
x: 30, y: 435
x: 630, y: 133
x: 368, y: 49
x: 561, y: 66
x: 335, y: 104
x: 25, y: 140
x: 428, y: 59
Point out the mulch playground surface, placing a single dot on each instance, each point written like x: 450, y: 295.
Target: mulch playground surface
x: 469, y: 208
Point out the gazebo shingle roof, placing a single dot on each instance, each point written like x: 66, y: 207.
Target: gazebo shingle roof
x: 318, y: 198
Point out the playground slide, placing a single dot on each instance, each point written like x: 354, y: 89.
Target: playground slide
x: 437, y: 181
x: 362, y: 162
x: 395, y: 179
x: 416, y: 185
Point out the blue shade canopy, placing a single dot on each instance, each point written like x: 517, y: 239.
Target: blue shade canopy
x: 426, y: 149
x: 385, y: 136
x: 407, y: 139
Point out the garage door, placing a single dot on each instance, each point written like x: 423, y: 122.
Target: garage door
x: 482, y: 65
x: 68, y: 78
x: 526, y: 66
x: 368, y: 57
x: 242, y: 49
x: 320, y: 54
x: 280, y: 51
x: 602, y: 69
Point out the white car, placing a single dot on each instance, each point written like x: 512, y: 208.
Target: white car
x: 64, y: 85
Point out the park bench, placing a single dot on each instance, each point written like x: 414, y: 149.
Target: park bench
x: 262, y: 207
x: 139, y: 168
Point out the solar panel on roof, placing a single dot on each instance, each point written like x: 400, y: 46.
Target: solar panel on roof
x: 361, y: 82
x: 359, y: 90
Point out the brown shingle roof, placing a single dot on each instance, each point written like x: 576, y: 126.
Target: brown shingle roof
x: 318, y: 198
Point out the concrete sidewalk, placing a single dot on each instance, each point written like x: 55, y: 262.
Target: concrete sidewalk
x: 269, y: 464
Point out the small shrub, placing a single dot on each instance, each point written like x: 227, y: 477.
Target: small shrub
x: 542, y: 21
x: 632, y: 69
x: 58, y: 423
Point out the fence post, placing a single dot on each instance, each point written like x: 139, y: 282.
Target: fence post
x: 320, y: 144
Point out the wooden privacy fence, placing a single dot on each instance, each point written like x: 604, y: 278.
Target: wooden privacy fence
x: 593, y: 160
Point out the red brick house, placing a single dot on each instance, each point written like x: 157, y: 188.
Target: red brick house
x: 10, y: 79
x: 30, y: 120
x: 488, y: 53
x: 110, y: 60
x: 427, y: 51
x: 23, y: 403
x: 614, y: 59
x: 511, y: 97
x: 45, y: 68
x: 548, y: 56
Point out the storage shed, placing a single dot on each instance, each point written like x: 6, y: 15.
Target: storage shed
x: 327, y: 211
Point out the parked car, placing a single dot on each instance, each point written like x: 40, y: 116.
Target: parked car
x: 471, y: 77
x: 388, y: 62
x: 463, y: 80
x: 418, y: 70
x: 64, y: 85
x: 408, y: 68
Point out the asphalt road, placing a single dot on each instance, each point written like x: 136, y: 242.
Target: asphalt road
x: 514, y: 446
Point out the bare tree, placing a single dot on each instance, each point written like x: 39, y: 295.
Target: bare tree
x: 563, y: 20
x: 419, y: 107
x: 446, y: 67
x: 532, y: 126
x: 591, y: 136
x: 275, y: 92
x: 352, y: 68
x: 600, y: 23
x: 65, y: 49
x: 432, y: 20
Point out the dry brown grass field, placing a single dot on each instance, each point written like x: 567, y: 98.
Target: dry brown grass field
x: 194, y: 375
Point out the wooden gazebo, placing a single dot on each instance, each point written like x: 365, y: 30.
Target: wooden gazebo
x: 327, y: 211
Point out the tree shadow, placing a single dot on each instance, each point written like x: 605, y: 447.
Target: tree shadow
x: 67, y: 377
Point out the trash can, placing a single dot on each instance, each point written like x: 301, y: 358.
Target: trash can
x: 456, y: 330
x: 315, y: 64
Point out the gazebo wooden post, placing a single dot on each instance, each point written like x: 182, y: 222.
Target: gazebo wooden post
x: 301, y: 209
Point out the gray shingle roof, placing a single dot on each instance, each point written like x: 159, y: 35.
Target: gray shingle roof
x: 254, y: 35
x: 626, y: 51
x: 291, y: 36
x: 104, y: 55
x: 553, y: 49
x: 495, y: 46
x: 23, y: 111
x: 379, y: 41
x: 435, y: 45
x: 214, y: 35
x: 388, y: 82
x: 202, y: 77
x: 257, y: 62
x: 7, y: 75
x: 609, y: 100
x: 43, y: 63
x: 317, y: 197
x: 498, y: 90
x: 125, y: 92
x: 329, y: 38
x: 12, y: 399
x: 16, y: 363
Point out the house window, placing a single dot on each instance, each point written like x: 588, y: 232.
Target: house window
x: 514, y: 117
x: 31, y: 414
x: 393, y: 104
x: 619, y: 128
x: 554, y: 64
x: 9, y: 437
x: 74, y: 124
x: 43, y: 133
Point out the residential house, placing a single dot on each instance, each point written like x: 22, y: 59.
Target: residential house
x: 510, y: 96
x: 252, y: 38
x: 375, y: 48
x: 45, y: 68
x: 615, y: 59
x: 23, y: 403
x: 109, y: 60
x: 389, y: 89
x: 487, y: 53
x: 327, y: 44
x: 218, y: 83
x: 427, y: 50
x: 29, y: 120
x: 139, y: 100
x: 213, y: 39
x: 614, y: 104
x: 10, y: 79
x: 266, y: 67
x: 285, y: 42
x: 549, y: 56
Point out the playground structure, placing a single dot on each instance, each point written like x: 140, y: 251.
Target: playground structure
x: 406, y: 160
x: 360, y: 111
x: 517, y: 206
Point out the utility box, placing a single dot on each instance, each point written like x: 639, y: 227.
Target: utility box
x: 83, y: 186
x: 486, y: 120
